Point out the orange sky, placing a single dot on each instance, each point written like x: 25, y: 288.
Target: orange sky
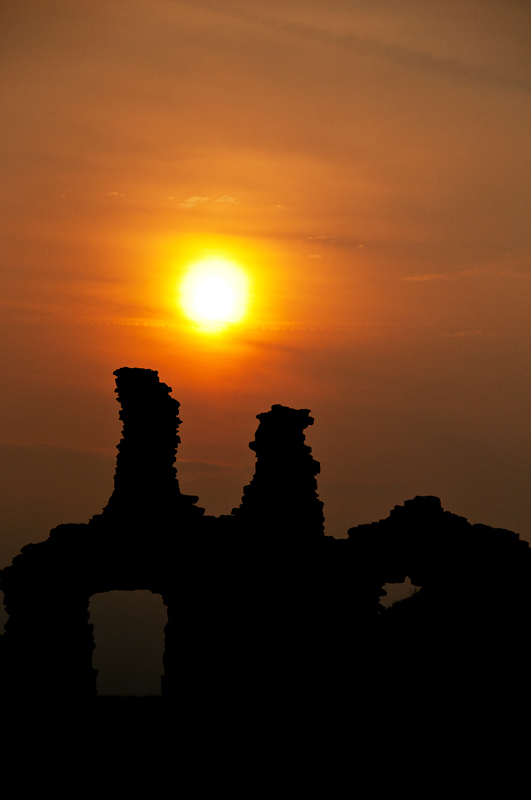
x: 367, y: 162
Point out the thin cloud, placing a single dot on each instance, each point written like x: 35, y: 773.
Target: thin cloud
x: 466, y: 273
x: 433, y: 276
x: 197, y: 200
x: 53, y: 445
x: 192, y: 202
x: 315, y: 255
x: 407, y: 56
x: 201, y: 464
x: 466, y: 334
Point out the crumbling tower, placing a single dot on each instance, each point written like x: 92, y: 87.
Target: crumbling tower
x: 281, y: 504
x: 145, y: 481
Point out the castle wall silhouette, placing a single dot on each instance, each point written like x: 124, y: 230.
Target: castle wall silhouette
x: 259, y: 600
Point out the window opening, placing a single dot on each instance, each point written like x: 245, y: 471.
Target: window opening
x: 397, y: 592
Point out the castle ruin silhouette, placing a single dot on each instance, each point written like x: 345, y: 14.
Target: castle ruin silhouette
x: 259, y: 600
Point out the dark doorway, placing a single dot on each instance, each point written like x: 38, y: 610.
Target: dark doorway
x: 129, y: 639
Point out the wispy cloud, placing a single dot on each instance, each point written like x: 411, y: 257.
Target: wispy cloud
x: 199, y: 465
x: 433, y: 276
x: 315, y: 255
x: 106, y: 451
x: 197, y: 200
x: 466, y: 334
x: 330, y: 239
x: 194, y: 201
x: 467, y: 273
x: 408, y: 56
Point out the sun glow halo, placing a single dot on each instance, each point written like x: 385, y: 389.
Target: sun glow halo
x: 214, y: 292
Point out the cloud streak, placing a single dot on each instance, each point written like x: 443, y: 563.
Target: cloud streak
x: 465, y: 273
x: 197, y: 200
x: 422, y: 60
x: 467, y: 334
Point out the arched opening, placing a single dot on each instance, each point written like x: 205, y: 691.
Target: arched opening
x: 129, y: 639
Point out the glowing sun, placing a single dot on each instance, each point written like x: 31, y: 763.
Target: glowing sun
x: 214, y: 291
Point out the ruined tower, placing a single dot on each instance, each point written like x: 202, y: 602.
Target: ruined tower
x: 281, y: 504
x: 146, y: 488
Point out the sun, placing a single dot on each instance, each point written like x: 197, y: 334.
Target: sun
x: 214, y: 292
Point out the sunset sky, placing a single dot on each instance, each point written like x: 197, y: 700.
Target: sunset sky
x: 366, y: 163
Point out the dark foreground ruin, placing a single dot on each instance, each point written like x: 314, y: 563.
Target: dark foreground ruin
x: 260, y: 602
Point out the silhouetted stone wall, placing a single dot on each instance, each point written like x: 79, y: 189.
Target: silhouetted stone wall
x: 260, y: 603
x: 464, y: 636
x: 452, y: 560
x: 150, y: 536
x: 133, y: 544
